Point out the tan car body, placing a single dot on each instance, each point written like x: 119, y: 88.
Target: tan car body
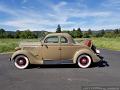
x: 38, y: 52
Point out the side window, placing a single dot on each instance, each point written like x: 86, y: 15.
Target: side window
x: 63, y: 40
x: 52, y: 39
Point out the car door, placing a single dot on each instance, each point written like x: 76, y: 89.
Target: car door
x: 51, y: 48
x: 67, y: 49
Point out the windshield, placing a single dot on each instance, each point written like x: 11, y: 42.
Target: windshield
x: 41, y: 37
x: 73, y: 41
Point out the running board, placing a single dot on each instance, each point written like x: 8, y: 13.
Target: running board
x: 57, y: 61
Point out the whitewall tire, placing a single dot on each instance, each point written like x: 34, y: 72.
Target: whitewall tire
x: 21, y: 62
x: 84, y: 61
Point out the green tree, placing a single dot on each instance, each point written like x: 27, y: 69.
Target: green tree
x: 89, y: 32
x: 9, y: 35
x: 73, y: 33
x: 58, y: 30
x: 86, y: 35
x: 76, y: 33
x: 100, y: 33
x: 27, y: 34
x: 79, y: 33
x: 17, y: 34
x: 116, y: 31
x: 74, y: 29
x: 2, y: 33
x: 109, y: 34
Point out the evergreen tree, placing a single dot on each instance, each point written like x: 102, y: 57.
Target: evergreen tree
x: 102, y: 32
x: 17, y: 34
x: 58, y: 30
x: 79, y: 32
x: 73, y: 29
x: 86, y: 35
x: 89, y: 31
x: 74, y: 33
x: 2, y: 33
x: 116, y: 31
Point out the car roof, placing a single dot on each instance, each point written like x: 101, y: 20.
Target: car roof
x: 70, y: 39
x: 59, y: 34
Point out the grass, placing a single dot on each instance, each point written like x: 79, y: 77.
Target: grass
x: 8, y: 45
x: 107, y: 43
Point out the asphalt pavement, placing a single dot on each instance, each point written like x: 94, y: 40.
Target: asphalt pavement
x: 61, y: 77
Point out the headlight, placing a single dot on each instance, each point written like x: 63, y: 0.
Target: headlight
x: 97, y: 51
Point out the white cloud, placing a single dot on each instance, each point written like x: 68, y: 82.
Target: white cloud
x: 29, y: 18
x: 6, y: 9
x: 111, y: 4
x: 58, y: 6
x: 24, y: 1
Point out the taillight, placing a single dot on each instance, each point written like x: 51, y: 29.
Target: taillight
x: 88, y: 43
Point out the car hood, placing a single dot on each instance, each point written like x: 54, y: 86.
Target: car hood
x: 24, y: 44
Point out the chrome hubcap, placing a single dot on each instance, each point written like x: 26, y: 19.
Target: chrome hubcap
x: 84, y: 60
x: 21, y: 61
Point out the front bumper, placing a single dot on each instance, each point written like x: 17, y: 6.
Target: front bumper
x: 101, y: 57
x: 97, y: 51
x: 98, y: 54
x: 10, y: 59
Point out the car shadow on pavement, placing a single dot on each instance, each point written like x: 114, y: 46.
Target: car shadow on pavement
x: 102, y: 63
x: 54, y: 66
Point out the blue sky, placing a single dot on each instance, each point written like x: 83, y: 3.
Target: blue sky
x: 47, y: 14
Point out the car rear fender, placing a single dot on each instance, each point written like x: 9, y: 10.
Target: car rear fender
x: 93, y: 56
x: 31, y: 57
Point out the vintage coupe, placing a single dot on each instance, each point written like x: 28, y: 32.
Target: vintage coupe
x: 56, y: 48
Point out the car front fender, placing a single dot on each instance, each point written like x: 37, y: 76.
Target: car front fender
x: 31, y: 57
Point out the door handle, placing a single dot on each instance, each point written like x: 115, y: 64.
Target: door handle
x: 59, y: 49
x: 45, y: 46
